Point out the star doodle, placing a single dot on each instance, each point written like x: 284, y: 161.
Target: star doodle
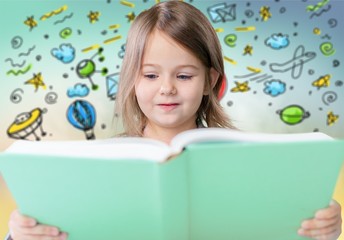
x: 131, y: 16
x: 265, y: 13
x: 248, y: 50
x: 331, y: 118
x: 93, y: 16
x: 240, y: 87
x: 37, y: 81
x: 30, y: 21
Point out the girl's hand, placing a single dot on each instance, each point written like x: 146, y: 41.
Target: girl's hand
x: 23, y: 227
x: 326, y: 225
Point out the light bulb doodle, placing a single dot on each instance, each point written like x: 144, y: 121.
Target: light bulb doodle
x: 26, y: 124
x: 87, y: 67
x: 82, y: 115
x: 295, y: 64
x: 293, y: 114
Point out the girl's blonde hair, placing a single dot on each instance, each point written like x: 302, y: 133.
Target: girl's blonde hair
x: 187, y: 26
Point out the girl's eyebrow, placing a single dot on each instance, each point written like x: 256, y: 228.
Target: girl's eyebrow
x: 178, y: 66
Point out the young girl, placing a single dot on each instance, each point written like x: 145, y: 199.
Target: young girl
x: 170, y: 79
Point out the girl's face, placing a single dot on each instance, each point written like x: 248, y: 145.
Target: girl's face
x: 170, y: 86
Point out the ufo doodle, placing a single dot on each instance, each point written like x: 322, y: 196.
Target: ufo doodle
x: 293, y: 114
x: 26, y: 124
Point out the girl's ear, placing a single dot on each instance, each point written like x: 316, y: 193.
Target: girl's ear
x: 214, y: 76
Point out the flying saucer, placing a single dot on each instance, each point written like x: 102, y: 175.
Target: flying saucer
x: 25, y: 124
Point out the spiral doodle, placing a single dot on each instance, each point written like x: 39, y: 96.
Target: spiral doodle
x: 230, y: 40
x: 16, y: 42
x: 282, y: 10
x: 66, y: 33
x: 15, y: 96
x: 249, y: 13
x: 327, y: 49
x: 332, y: 22
x: 329, y: 97
x: 336, y: 63
x: 51, y: 98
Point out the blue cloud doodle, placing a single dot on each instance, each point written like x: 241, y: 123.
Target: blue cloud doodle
x: 65, y: 53
x: 274, y: 88
x: 277, y: 41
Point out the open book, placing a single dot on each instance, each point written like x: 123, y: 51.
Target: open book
x: 220, y: 184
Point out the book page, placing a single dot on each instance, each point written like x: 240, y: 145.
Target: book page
x: 225, y: 135
x: 112, y: 149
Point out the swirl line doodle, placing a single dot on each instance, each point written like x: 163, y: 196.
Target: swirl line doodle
x: 16, y: 42
x: 15, y: 64
x: 321, y: 12
x: 20, y: 71
x: 15, y: 96
x: 329, y: 97
x: 55, y: 12
x: 28, y: 52
x: 51, y: 98
x: 64, y: 19
x: 313, y: 8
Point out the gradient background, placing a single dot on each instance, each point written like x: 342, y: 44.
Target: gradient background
x: 251, y: 110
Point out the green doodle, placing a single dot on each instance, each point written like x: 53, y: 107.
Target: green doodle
x: 313, y: 8
x: 20, y: 71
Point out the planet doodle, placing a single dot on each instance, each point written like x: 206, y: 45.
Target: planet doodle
x: 293, y: 114
x: 26, y: 124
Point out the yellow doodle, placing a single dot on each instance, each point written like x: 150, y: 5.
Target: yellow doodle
x: 245, y: 29
x: 230, y: 60
x: 55, y: 12
x: 30, y: 21
x: 128, y: 4
x: 93, y: 16
x: 332, y: 118
x: 240, y: 87
x: 37, y: 81
x: 252, y: 69
x: 112, y: 39
x: 95, y: 46
x: 323, y: 81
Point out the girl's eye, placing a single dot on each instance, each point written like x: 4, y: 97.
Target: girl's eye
x: 184, y: 77
x: 150, y: 76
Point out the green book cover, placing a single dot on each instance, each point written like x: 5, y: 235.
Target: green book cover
x: 211, y: 190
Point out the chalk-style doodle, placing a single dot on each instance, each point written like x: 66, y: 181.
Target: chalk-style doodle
x: 15, y: 64
x: 293, y: 114
x: 222, y: 12
x: 248, y: 50
x: 51, y: 98
x: 65, y: 53
x: 314, y: 8
x: 265, y: 13
x: 322, y: 81
x: 64, y: 19
x: 246, y: 76
x: 332, y: 22
x: 295, y: 64
x: 316, y: 31
x: 230, y: 60
x: 82, y: 115
x: 245, y: 29
x: 338, y: 83
x: 241, y: 87
x: 329, y: 97
x: 274, y: 88
x: 121, y: 52
x: 66, y: 33
x: 93, y: 16
x: 16, y: 42
x: 87, y: 68
x: 20, y: 71
x: 249, y: 13
x: 110, y: 40
x: 326, y: 36
x: 30, y: 22
x: 37, y: 81
x: 55, y: 12
x: 323, y: 10
x: 282, y: 10
x: 78, y: 90
x: 130, y: 16
x: 127, y: 3
x: 112, y: 81
x: 253, y: 69
x: 331, y: 118
x: 28, y: 51
x: 230, y: 40
x: 26, y: 124
x: 336, y: 63
x: 261, y: 78
x: 277, y: 41
x: 15, y: 96
x: 327, y: 49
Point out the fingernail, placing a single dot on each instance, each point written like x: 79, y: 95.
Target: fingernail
x: 63, y: 236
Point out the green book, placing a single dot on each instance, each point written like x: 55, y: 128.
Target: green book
x: 209, y: 183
